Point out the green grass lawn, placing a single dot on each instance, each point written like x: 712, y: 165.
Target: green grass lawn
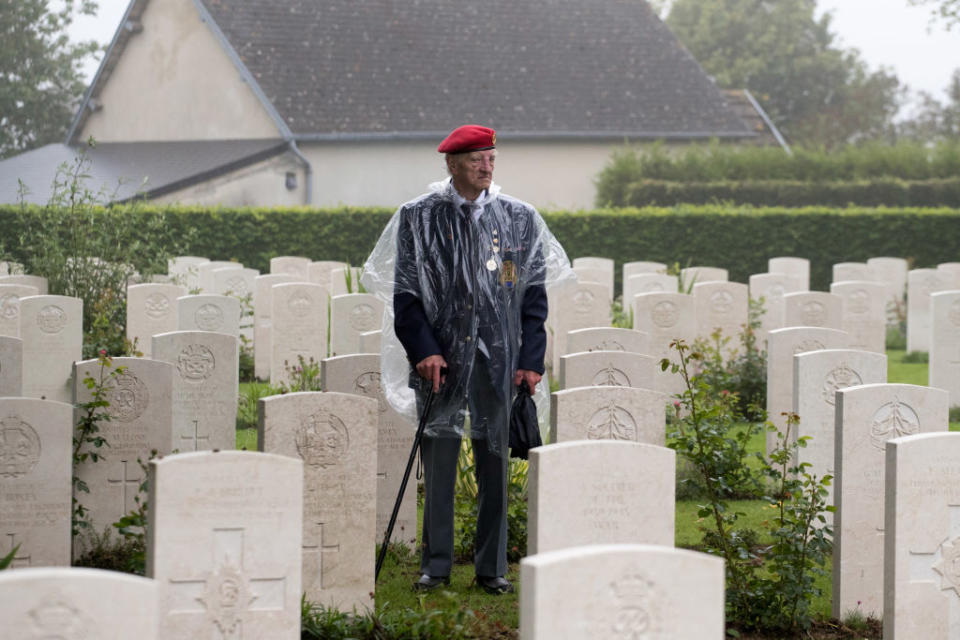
x: 501, y: 612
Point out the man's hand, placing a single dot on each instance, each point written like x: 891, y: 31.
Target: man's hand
x: 532, y: 378
x: 429, y: 369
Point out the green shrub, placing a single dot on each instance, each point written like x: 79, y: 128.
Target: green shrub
x: 739, y: 238
x: 875, y: 192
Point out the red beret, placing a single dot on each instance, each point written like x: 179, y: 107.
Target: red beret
x: 469, y: 137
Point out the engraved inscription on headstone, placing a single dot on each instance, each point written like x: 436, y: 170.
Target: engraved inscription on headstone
x: 19, y: 447
x: 322, y: 439
x: 893, y: 420
x: 612, y: 423
x: 839, y: 378
x: 665, y: 314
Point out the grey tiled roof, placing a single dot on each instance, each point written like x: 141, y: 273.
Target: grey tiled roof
x: 606, y: 68
x: 124, y: 170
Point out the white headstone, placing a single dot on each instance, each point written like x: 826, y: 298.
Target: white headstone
x: 292, y: 266
x: 11, y: 366
x: 576, y: 306
x: 151, y: 309
x: 648, y: 283
x: 593, y: 262
x: 350, y: 315
x: 770, y: 288
x: 797, y: 267
x: 921, y: 555
x: 945, y: 343
x: 370, y: 341
x: 141, y: 420
x: 608, y: 413
x: 338, y: 281
x: 595, y: 275
x: 892, y: 272
x: 39, y: 282
x: 205, y: 273
x: 600, y: 492
x: 36, y: 459
x: 723, y: 306
x: 335, y: 434
x: 642, y: 266
x: 10, y: 295
x: 817, y: 375
x: 320, y: 271
x: 237, y: 283
x: 844, y: 271
x: 665, y: 317
x: 782, y: 345
x: 607, y: 369
x: 185, y: 271
x: 263, y: 321
x: 205, y: 384
x: 866, y: 418
x: 607, y: 339
x: 51, y: 328
x: 813, y: 309
x: 209, y: 312
x: 71, y: 604
x: 696, y: 275
x: 360, y: 375
x: 921, y: 284
x: 864, y: 313
x: 622, y: 591
x: 224, y: 544
x: 299, y: 316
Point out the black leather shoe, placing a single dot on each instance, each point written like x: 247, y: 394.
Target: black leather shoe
x: 429, y: 583
x: 496, y: 586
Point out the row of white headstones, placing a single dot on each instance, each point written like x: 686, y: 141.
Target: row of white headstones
x: 193, y: 365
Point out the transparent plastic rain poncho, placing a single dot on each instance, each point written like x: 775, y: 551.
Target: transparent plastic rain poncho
x: 454, y: 262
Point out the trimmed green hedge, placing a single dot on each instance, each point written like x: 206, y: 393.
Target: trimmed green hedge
x: 740, y: 239
x: 891, y: 192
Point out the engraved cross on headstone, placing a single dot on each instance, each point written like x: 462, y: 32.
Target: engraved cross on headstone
x: 313, y: 552
x: 19, y: 559
x: 195, y: 437
x: 225, y: 593
x: 931, y: 567
x: 126, y: 498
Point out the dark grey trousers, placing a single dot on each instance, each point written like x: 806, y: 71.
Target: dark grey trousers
x: 440, y: 455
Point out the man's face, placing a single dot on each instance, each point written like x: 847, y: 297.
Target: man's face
x: 473, y: 171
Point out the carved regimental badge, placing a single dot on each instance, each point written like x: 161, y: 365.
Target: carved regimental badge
x: 840, y: 378
x: 19, y: 448
x: 156, y: 305
x: 128, y: 396
x: 363, y: 318
x: 9, y: 306
x: 665, y: 314
x: 322, y: 439
x: 237, y: 287
x: 227, y: 596
x: 583, y: 301
x: 55, y: 619
x: 893, y: 420
x: 368, y: 384
x: 209, y: 317
x: 52, y: 319
x: 607, y: 345
x: 776, y: 292
x: 195, y: 363
x: 612, y: 423
x: 300, y: 304
x: 858, y: 302
x: 635, y: 609
x: 611, y: 377
x: 721, y: 302
x: 652, y: 287
x: 813, y: 314
x: 949, y: 566
x: 808, y: 345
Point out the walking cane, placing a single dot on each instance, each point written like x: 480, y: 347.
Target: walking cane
x: 406, y: 476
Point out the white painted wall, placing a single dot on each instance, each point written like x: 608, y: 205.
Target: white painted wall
x: 261, y: 184
x: 175, y: 82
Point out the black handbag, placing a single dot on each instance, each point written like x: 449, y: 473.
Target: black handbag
x: 524, y: 427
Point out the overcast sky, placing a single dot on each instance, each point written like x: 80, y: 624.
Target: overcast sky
x: 890, y: 33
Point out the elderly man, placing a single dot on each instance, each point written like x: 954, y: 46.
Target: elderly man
x: 470, y: 269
